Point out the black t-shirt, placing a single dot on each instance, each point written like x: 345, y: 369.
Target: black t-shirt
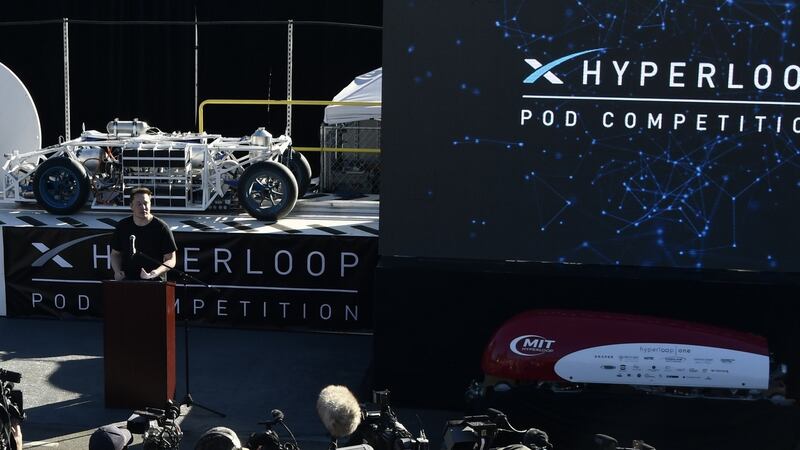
x: 153, y: 240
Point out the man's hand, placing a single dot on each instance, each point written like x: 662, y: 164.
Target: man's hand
x: 16, y: 432
x: 147, y: 275
x: 116, y: 264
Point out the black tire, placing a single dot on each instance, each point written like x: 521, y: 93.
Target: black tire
x: 60, y: 185
x: 267, y: 190
x: 301, y: 170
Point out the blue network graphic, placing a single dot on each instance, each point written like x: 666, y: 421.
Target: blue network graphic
x: 680, y: 191
x: 713, y: 191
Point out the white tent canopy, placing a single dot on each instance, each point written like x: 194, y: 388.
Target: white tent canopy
x: 364, y: 88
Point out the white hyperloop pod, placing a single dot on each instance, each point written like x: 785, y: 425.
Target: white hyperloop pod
x: 569, y: 348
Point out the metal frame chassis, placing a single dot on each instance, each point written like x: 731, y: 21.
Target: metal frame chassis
x: 220, y: 152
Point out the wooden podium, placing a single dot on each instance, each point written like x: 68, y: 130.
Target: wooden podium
x: 139, y: 343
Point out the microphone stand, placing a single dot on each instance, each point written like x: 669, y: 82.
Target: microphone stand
x: 187, y: 399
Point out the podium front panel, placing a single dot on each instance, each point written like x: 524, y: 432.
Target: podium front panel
x: 139, y: 343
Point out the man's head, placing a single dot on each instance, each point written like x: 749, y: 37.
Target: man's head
x: 218, y: 438
x: 140, y: 203
x: 110, y: 437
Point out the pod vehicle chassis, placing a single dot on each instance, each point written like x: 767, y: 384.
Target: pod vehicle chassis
x: 185, y: 171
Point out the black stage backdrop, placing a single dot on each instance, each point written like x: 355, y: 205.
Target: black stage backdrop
x: 265, y: 281
x: 567, y: 188
x: 440, y: 324
x: 147, y: 71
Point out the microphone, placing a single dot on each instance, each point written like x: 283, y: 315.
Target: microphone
x: 277, y: 417
x: 133, y: 245
x: 339, y: 411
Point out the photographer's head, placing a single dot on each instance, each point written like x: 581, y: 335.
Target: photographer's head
x: 218, y: 438
x: 110, y: 437
x: 339, y: 411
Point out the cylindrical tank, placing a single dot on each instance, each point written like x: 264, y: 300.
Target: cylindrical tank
x: 133, y: 127
x: 261, y: 137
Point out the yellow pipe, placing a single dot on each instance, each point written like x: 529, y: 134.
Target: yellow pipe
x: 273, y: 102
x: 337, y: 150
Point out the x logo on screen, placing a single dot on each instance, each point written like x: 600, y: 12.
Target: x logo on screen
x: 544, y: 70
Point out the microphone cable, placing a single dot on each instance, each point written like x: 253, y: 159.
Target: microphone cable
x: 296, y: 446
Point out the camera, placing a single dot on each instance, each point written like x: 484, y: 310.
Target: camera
x: 269, y: 439
x: 11, y: 409
x: 158, y: 426
x: 380, y: 428
x: 492, y: 430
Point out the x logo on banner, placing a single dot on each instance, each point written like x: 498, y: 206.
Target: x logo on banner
x: 48, y: 254
x: 58, y: 259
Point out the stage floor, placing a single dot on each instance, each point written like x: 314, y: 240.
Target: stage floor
x: 316, y: 214
x: 243, y: 373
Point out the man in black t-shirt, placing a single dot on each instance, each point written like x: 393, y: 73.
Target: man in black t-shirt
x: 139, y: 238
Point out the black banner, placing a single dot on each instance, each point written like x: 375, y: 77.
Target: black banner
x: 270, y: 281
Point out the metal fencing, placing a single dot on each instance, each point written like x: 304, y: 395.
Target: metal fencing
x: 356, y: 168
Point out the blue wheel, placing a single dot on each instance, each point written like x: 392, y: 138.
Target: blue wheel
x: 60, y: 185
x: 267, y: 190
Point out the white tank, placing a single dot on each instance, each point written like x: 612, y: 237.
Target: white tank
x: 133, y: 127
x: 261, y: 137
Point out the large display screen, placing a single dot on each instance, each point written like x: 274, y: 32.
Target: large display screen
x: 644, y: 133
